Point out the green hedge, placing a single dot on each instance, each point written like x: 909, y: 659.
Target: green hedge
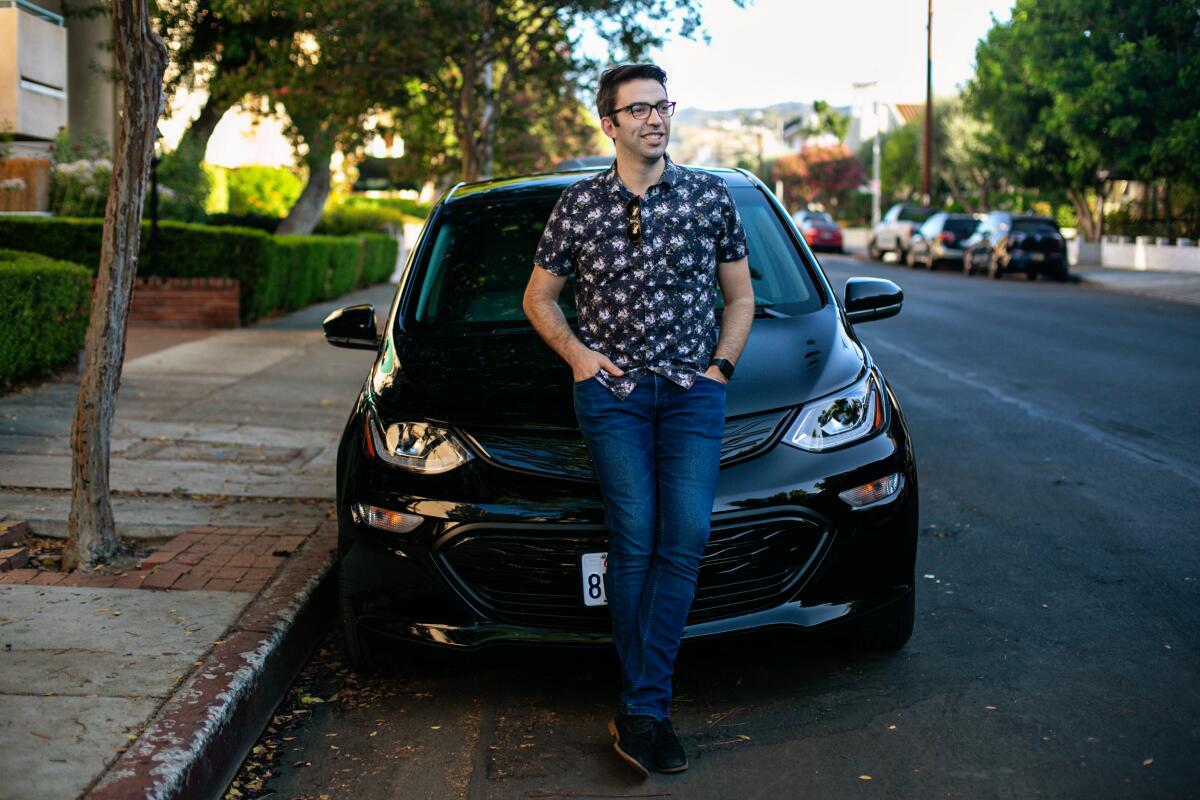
x: 276, y: 272
x: 44, y: 304
x: 379, y: 255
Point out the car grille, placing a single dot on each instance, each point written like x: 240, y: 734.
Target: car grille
x: 563, y: 453
x: 527, y: 575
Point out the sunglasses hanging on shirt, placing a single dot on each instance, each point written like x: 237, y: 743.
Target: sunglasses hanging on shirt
x: 634, y: 211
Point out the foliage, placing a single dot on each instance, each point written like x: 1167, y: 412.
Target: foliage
x: 412, y: 208
x: 343, y: 220
x: 80, y: 188
x: 1074, y: 87
x: 183, y: 184
x: 824, y: 175
x: 273, y: 274
x: 44, y: 304
x: 829, y: 120
x: 268, y: 191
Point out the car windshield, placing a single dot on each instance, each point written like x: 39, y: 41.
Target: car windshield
x: 1042, y: 226
x: 481, y: 252
x: 914, y: 213
x: 817, y: 216
x: 960, y: 225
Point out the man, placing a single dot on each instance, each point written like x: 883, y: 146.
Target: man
x: 648, y: 242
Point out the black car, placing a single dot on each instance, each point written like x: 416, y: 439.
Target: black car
x: 468, y: 510
x: 940, y: 240
x: 1006, y: 243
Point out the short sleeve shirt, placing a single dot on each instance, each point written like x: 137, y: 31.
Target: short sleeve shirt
x: 648, y: 308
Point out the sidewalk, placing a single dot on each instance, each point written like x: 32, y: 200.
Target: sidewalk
x: 1183, y: 287
x: 153, y: 680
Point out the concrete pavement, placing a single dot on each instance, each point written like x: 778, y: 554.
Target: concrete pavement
x: 223, y: 456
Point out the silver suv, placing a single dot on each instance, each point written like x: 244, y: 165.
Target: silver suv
x: 894, y: 231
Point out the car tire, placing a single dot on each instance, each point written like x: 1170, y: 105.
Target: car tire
x: 910, y: 259
x: 968, y: 267
x: 889, y: 628
x: 364, y: 654
x: 873, y: 251
x: 1060, y: 275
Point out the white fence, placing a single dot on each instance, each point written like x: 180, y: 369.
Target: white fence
x: 1142, y: 253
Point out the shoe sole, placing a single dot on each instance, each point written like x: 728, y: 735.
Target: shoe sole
x: 633, y: 762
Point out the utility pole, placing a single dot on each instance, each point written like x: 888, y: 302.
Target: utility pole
x: 875, y: 184
x: 925, y: 167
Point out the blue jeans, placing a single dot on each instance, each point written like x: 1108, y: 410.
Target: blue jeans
x: 656, y: 454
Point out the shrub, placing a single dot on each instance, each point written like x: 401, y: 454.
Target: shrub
x: 44, y: 304
x: 263, y: 190
x: 260, y: 222
x: 276, y: 272
x: 404, y: 205
x: 346, y: 220
x: 80, y: 188
x: 379, y: 254
x: 183, y: 185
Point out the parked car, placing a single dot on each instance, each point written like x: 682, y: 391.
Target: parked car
x: 819, y: 230
x: 468, y: 511
x: 940, y: 239
x: 1006, y: 243
x: 893, y: 232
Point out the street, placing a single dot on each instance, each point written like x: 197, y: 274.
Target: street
x: 1056, y: 650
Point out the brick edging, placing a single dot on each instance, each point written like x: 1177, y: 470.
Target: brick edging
x: 195, y: 744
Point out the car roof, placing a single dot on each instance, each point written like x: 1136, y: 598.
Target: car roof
x: 554, y: 182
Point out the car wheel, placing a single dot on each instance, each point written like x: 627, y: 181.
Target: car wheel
x: 873, y: 252
x: 1060, y: 275
x: 968, y: 268
x: 910, y: 259
x: 889, y: 628
x: 364, y: 654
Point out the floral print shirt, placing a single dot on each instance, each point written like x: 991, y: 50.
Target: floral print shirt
x: 648, y: 308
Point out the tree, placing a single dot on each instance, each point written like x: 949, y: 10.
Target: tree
x: 141, y: 59
x: 1071, y: 88
x: 829, y: 120
x: 826, y: 175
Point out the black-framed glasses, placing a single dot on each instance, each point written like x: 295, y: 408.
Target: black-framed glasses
x: 633, y: 210
x: 642, y: 110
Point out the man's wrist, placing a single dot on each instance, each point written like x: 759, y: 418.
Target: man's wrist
x: 724, y: 365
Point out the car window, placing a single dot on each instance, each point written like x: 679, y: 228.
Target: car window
x: 892, y: 213
x: 932, y: 225
x: 1042, y: 226
x: 914, y: 214
x: 482, y: 252
x: 961, y: 226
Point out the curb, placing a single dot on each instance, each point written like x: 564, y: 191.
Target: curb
x: 193, y: 747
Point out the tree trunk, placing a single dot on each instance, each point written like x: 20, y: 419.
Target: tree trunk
x: 306, y: 212
x: 1085, y: 216
x: 141, y: 60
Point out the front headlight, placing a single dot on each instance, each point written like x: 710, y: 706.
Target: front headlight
x: 415, y: 446
x: 854, y: 413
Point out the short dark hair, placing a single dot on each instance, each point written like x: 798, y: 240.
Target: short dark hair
x: 610, y: 79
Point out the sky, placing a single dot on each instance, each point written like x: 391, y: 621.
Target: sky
x: 776, y: 51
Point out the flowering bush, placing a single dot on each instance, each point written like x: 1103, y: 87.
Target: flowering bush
x: 80, y: 188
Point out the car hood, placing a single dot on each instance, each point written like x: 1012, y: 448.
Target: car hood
x: 511, y: 379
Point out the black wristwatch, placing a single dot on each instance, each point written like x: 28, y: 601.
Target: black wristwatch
x: 723, y: 364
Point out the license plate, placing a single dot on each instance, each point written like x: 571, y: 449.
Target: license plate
x: 592, y: 567
x: 1039, y: 256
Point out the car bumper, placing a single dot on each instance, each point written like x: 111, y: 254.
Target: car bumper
x: 419, y: 588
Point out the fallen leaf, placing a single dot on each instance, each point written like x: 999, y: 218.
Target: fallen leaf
x: 308, y: 700
x: 372, y: 733
x: 743, y: 737
x: 891, y: 727
x: 1147, y: 762
x: 990, y: 708
x: 864, y: 777
x: 435, y: 727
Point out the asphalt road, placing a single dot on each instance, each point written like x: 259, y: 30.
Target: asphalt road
x: 1057, y: 648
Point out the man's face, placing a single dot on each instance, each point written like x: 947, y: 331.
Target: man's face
x: 639, y: 138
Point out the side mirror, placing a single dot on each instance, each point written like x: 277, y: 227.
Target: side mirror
x: 869, y: 299
x: 352, y: 326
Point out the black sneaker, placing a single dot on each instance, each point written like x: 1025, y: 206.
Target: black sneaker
x: 669, y: 755
x: 634, y: 740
